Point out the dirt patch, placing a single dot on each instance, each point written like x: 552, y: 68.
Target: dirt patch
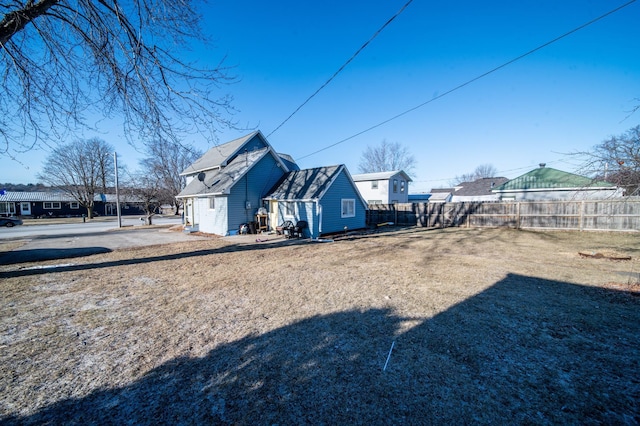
x: 488, y: 326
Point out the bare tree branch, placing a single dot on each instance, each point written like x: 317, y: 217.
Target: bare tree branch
x: 81, y: 169
x: 64, y: 62
x: 387, y: 157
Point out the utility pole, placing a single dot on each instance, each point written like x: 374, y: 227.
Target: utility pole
x: 115, y: 161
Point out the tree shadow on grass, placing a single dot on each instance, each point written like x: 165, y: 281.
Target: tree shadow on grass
x: 525, y: 350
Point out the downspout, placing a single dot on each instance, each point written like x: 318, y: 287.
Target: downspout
x: 319, y: 210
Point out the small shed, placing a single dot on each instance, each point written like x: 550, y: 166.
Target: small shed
x: 325, y: 197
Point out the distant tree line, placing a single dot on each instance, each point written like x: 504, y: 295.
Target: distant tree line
x: 29, y: 187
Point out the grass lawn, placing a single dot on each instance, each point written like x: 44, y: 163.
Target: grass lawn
x: 487, y: 325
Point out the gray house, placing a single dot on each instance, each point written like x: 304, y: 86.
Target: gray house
x: 325, y: 197
x: 225, y: 186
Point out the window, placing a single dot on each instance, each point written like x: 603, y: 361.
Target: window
x: 395, y: 185
x: 289, y: 209
x: 348, y: 207
x: 74, y: 205
x: 7, y: 208
x: 374, y: 184
x: 374, y: 201
x: 402, y: 186
x: 212, y: 203
x: 52, y: 205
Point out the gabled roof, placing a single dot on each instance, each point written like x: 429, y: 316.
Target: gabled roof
x: 220, y: 180
x: 549, y: 178
x: 220, y: 155
x: 482, y: 186
x: 380, y: 176
x: 307, y: 184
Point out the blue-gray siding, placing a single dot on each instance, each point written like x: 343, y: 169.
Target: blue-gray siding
x: 252, y: 187
x: 332, y: 220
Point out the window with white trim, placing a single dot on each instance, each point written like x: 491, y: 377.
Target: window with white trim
x: 52, y: 205
x: 289, y: 209
x: 348, y: 207
x: 74, y: 205
x: 7, y: 208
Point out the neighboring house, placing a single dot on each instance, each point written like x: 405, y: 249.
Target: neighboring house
x: 478, y: 190
x: 384, y: 187
x: 325, y: 197
x: 441, y: 195
x: 60, y: 204
x: 225, y: 186
x: 546, y: 183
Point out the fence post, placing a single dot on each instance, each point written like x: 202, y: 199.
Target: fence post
x: 581, y: 218
x: 518, y: 215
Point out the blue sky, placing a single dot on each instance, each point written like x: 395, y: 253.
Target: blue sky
x: 566, y: 97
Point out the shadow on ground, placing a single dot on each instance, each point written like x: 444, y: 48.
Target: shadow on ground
x: 37, y: 255
x: 494, y: 358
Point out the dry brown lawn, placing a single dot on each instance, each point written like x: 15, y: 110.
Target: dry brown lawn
x: 487, y: 326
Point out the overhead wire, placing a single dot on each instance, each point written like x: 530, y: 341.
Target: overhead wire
x: 335, y: 74
x: 473, y: 80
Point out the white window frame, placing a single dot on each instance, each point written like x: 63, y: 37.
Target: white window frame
x: 212, y: 203
x: 374, y: 184
x: 289, y: 210
x: 8, y: 208
x: 51, y: 205
x: 348, y: 207
x: 74, y: 205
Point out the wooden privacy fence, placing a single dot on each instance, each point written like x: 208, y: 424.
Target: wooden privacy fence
x: 582, y: 215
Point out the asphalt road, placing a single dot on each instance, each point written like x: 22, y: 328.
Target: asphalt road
x: 63, y: 241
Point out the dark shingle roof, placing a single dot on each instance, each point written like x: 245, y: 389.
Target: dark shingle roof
x: 218, y: 155
x: 308, y: 184
x: 219, y: 181
x: 482, y: 186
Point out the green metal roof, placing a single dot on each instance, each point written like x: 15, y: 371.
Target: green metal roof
x: 549, y: 178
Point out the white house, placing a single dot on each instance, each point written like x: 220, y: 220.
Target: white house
x: 383, y: 187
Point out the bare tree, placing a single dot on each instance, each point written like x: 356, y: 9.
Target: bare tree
x: 387, y: 157
x: 482, y: 171
x: 616, y: 160
x: 164, y: 162
x: 146, y: 189
x: 81, y: 169
x: 62, y: 60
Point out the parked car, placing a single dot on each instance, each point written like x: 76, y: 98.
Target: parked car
x: 10, y: 221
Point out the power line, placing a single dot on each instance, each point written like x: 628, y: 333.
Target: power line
x: 473, y: 80
x: 335, y: 74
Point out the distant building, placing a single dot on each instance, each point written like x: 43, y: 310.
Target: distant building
x: 478, y: 190
x: 546, y: 183
x: 383, y: 187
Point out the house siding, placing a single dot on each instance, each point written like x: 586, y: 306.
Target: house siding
x: 385, y: 193
x: 252, y: 187
x: 332, y: 220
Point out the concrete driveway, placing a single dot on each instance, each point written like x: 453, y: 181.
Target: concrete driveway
x: 62, y: 247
